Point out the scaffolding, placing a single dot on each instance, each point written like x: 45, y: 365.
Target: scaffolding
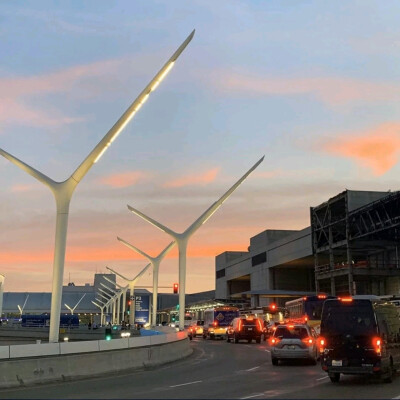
x: 355, y: 238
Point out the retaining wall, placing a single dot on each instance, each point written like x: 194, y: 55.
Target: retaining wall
x: 41, y: 363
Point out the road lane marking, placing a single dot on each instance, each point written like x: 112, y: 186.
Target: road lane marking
x: 396, y: 398
x: 184, y: 384
x: 324, y: 377
x: 252, y: 369
x: 269, y: 351
x: 253, y: 395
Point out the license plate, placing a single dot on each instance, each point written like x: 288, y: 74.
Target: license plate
x: 336, y: 363
x: 292, y: 347
x: 249, y: 329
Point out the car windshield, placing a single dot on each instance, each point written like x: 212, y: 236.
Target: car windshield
x: 291, y: 332
x: 356, y: 319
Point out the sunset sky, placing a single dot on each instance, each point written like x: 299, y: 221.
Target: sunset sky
x: 313, y: 85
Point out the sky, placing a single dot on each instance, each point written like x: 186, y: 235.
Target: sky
x: 314, y: 86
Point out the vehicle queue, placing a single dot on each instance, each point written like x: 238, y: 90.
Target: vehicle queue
x: 352, y: 335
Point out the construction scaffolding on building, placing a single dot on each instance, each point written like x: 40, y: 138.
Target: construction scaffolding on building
x: 355, y: 237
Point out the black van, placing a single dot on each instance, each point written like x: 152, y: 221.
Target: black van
x: 359, y: 335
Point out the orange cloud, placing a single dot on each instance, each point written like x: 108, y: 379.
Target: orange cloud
x: 334, y: 91
x: 124, y: 179
x: 377, y: 149
x: 22, y: 188
x: 195, y: 179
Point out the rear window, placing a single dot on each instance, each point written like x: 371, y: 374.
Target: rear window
x: 355, y: 318
x: 200, y: 323
x: 296, y: 332
x: 249, y: 321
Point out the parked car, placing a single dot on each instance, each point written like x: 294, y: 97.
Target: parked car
x: 360, y: 335
x: 297, y: 341
x: 242, y: 328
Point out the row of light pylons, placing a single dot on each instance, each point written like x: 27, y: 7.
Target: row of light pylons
x: 64, y: 190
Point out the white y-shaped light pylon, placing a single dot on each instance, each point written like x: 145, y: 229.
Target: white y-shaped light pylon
x: 155, y: 262
x: 63, y: 191
x: 131, y: 284
x: 107, y: 302
x: 123, y: 291
x: 112, y: 298
x: 102, y: 306
x: 183, y: 238
x: 117, y: 297
x: 2, y: 278
x: 21, y: 309
x: 76, y: 305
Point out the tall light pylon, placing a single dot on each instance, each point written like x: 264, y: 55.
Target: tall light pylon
x: 124, y: 289
x: 183, y: 238
x: 102, y: 306
x: 63, y: 191
x: 155, y: 262
x: 2, y: 279
x: 72, y: 309
x: 113, y: 299
x: 21, y: 309
x: 132, y: 283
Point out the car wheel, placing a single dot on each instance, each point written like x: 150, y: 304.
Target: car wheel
x: 274, y: 361
x: 227, y: 339
x: 335, y: 377
x: 388, y: 378
x: 236, y: 339
x: 204, y: 337
x: 258, y: 340
x: 249, y: 340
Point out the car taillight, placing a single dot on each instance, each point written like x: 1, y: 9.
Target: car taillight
x: 215, y: 323
x: 308, y: 341
x: 346, y: 299
x: 274, y: 341
x: 260, y: 328
x: 321, y: 344
x: 377, y: 343
x: 240, y: 325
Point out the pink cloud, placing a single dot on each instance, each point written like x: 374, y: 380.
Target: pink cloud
x: 124, y: 179
x: 334, y: 91
x: 194, y: 179
x: 377, y: 149
x: 22, y: 188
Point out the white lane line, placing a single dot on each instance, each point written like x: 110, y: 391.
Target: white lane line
x: 184, y: 384
x: 396, y: 398
x: 324, y: 377
x: 269, y: 351
x: 252, y: 369
x: 253, y: 395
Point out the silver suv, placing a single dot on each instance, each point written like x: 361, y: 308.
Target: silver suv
x: 293, y: 341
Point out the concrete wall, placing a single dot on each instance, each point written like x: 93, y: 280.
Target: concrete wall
x: 32, y: 364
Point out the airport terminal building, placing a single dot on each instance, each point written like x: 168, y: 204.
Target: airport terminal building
x: 350, y: 247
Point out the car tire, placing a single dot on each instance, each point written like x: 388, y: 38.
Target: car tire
x: 235, y: 339
x: 388, y: 378
x: 258, y: 340
x: 249, y: 340
x: 335, y: 377
x: 227, y: 339
x: 275, y: 361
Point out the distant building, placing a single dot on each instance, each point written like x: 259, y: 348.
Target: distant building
x: 351, y: 247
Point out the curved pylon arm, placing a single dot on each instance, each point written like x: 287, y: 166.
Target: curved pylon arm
x: 211, y: 210
x: 27, y: 168
x: 153, y: 222
x: 77, y: 304
x: 69, y: 308
x: 107, y: 287
x: 115, y: 283
x: 135, y: 278
x: 100, y: 301
x: 110, y: 136
x: 106, y: 298
x: 159, y: 257
x: 110, y: 296
x: 98, y: 305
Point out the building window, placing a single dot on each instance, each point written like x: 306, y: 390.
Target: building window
x: 259, y: 259
x: 221, y: 273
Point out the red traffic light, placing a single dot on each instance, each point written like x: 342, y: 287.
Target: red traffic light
x: 175, y: 286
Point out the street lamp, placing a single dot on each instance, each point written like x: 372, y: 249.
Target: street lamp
x: 63, y: 191
x: 124, y: 289
x: 76, y: 305
x: 131, y: 284
x: 183, y: 238
x: 155, y: 262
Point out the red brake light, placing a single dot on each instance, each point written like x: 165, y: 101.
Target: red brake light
x: 290, y: 326
x: 308, y: 341
x: 321, y: 344
x: 215, y: 323
x: 274, y: 341
x: 346, y: 299
x: 305, y: 319
x: 240, y: 324
x: 259, y: 325
x: 322, y: 296
x: 377, y: 343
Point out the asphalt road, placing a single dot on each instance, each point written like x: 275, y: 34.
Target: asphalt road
x: 217, y: 370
